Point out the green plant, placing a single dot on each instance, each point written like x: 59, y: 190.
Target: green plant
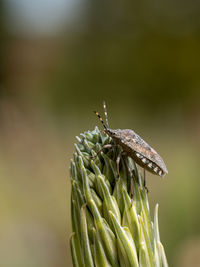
x: 110, y: 229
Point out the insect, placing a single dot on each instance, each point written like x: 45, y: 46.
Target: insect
x: 135, y: 147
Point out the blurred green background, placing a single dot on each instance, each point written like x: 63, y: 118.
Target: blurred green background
x: 59, y: 61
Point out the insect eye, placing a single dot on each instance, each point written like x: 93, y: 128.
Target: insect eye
x: 111, y: 132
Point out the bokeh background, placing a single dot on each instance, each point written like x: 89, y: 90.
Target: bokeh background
x: 58, y: 61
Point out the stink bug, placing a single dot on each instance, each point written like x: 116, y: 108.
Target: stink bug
x: 135, y: 147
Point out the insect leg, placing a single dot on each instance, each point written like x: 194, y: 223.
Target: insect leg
x: 117, y: 162
x: 144, y: 178
x: 104, y: 147
x: 131, y: 180
x: 145, y: 182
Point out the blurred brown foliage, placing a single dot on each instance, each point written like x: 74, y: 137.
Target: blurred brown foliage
x: 143, y: 59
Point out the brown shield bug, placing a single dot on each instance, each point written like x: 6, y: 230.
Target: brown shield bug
x: 135, y: 147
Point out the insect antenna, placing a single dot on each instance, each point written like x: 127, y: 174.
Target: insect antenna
x: 106, y: 114
x: 101, y: 120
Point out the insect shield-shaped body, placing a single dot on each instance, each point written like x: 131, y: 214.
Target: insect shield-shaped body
x: 136, y: 148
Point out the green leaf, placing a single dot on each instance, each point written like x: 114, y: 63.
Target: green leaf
x: 99, y: 252
x: 85, y: 240
x: 108, y: 238
x: 125, y: 243
x: 75, y: 251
